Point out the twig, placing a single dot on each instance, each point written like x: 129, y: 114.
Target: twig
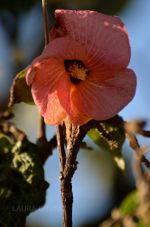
x: 144, y: 133
x: 137, y: 127
x: 6, y: 115
x: 41, y: 130
x: 107, y: 137
x: 133, y: 142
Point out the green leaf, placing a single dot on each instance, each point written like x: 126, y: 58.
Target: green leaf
x: 129, y: 207
x: 110, y: 136
x: 22, y: 184
x: 20, y: 91
x: 142, y: 223
x: 130, y: 203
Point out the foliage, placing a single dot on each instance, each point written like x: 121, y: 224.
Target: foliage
x: 130, y: 203
x: 110, y: 136
x: 127, y: 214
x: 20, y: 91
x: 17, y: 5
x: 22, y: 184
x: 105, y: 6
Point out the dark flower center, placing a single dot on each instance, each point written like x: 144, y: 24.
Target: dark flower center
x: 77, y: 70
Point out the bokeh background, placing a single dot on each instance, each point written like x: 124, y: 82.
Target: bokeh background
x: 96, y: 185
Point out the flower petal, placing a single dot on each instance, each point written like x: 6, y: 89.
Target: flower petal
x: 32, y: 69
x: 104, y: 101
x: 54, y: 113
x: 61, y: 49
x: 103, y: 36
x: 48, y: 75
x: 65, y: 90
x: 49, y: 78
x: 64, y: 48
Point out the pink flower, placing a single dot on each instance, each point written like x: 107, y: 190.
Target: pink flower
x: 82, y: 72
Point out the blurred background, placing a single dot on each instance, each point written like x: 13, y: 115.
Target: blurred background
x: 96, y: 185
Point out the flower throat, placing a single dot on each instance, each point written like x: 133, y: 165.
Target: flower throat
x: 77, y: 70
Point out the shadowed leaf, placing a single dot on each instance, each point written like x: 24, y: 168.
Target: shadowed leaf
x: 22, y: 184
x: 20, y: 91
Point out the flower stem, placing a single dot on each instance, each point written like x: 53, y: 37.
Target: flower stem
x: 68, y: 164
x: 41, y: 125
x: 45, y: 15
x: 67, y: 201
x: 65, y: 183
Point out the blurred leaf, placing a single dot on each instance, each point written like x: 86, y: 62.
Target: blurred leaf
x: 104, y: 6
x: 130, y: 203
x: 20, y: 91
x: 22, y: 184
x: 127, y: 214
x: 142, y: 223
x: 18, y: 6
x: 110, y: 136
x: 129, y: 208
x: 111, y: 6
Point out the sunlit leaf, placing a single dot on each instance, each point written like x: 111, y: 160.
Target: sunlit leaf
x: 20, y: 91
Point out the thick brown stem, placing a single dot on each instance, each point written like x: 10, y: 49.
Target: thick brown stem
x: 65, y: 182
x: 68, y: 160
x: 68, y: 164
x: 67, y: 201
